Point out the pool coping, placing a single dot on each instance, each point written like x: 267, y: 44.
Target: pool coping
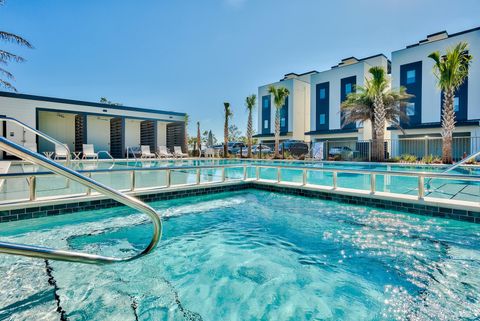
x: 458, y: 210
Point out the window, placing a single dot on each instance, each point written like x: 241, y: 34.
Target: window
x: 282, y: 122
x: 410, y: 109
x: 322, y: 93
x: 265, y: 124
x: 348, y: 89
x: 411, y: 76
x: 322, y: 119
x: 265, y: 103
x: 456, y: 104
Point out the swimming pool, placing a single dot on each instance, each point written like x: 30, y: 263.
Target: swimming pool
x: 245, y: 256
x: 117, y: 175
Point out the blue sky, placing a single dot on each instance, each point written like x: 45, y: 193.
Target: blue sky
x: 192, y: 55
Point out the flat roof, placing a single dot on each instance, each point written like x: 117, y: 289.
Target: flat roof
x: 439, y: 33
x: 87, y: 103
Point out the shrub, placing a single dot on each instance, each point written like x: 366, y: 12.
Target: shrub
x: 430, y: 159
x: 408, y: 158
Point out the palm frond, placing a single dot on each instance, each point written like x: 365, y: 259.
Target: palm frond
x: 250, y: 101
x: 7, y: 85
x: 8, y: 56
x: 6, y: 73
x: 13, y: 38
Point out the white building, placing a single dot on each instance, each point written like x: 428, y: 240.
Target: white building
x: 328, y: 89
x: 412, y: 69
x: 294, y: 115
x: 109, y: 127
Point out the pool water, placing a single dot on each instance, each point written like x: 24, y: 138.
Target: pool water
x: 56, y: 186
x: 248, y: 255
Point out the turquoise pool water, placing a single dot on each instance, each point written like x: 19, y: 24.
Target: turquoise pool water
x: 249, y: 255
x: 48, y: 186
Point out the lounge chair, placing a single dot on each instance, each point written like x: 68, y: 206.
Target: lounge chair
x: 89, y: 151
x: 177, y: 152
x: 163, y: 152
x: 210, y: 152
x: 61, y: 151
x: 145, y: 149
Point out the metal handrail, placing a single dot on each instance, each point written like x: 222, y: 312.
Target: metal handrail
x: 456, y: 165
x: 107, y: 153
x: 38, y: 133
x: 129, y: 148
x: 72, y: 256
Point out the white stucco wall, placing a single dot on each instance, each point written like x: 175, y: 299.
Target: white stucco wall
x: 431, y: 105
x: 60, y: 126
x: 132, y: 132
x: 25, y: 110
x: 161, y: 133
x: 98, y: 132
x: 298, y: 107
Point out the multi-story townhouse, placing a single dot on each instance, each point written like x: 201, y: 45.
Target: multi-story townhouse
x: 413, y: 69
x: 295, y: 113
x: 328, y: 89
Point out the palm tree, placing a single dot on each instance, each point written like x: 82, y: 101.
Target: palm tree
x: 199, y: 139
x: 250, y: 102
x: 377, y: 103
x: 6, y: 57
x: 228, y: 115
x: 279, y: 96
x: 451, y: 71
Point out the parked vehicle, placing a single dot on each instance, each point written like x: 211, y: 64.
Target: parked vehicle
x: 256, y: 150
x: 343, y: 151
x: 294, y: 147
x: 235, y: 147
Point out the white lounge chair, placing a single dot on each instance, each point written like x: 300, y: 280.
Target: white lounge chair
x: 210, y: 152
x: 163, y: 152
x: 31, y: 146
x: 177, y: 152
x: 145, y: 149
x: 89, y: 151
x: 4, y: 167
x: 61, y: 151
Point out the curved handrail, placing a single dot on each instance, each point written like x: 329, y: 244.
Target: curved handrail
x: 454, y: 166
x: 38, y: 133
x: 107, y: 153
x: 71, y: 256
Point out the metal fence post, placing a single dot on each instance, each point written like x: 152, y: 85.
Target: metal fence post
x: 198, y: 176
x: 133, y: 181
x: 304, y: 177
x: 89, y: 190
x: 373, y: 183
x: 279, y: 175
x: 370, y: 150
x: 283, y: 150
x: 257, y: 173
x: 244, y: 172
x: 260, y: 146
x: 168, y: 178
x: 223, y: 175
x: 421, y: 187
x: 426, y: 146
x: 334, y: 183
x: 32, y: 187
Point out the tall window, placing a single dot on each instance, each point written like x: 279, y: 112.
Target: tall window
x: 282, y: 122
x: 456, y: 104
x: 322, y: 93
x: 265, y: 102
x: 410, y: 109
x: 265, y: 124
x: 322, y: 119
x: 348, y: 88
x: 411, y: 76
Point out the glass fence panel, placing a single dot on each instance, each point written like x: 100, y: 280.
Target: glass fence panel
x: 211, y: 175
x: 454, y: 189
x: 118, y: 180
x: 268, y: 173
x: 291, y: 175
x: 233, y: 173
x: 353, y: 181
x: 57, y: 186
x: 322, y: 178
x: 183, y: 176
x: 150, y: 179
x: 13, y: 189
x: 407, y: 185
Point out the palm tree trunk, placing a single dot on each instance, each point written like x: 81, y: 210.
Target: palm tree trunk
x: 379, y: 128
x: 277, y: 132
x: 249, y: 133
x: 448, y: 125
x: 225, y: 135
